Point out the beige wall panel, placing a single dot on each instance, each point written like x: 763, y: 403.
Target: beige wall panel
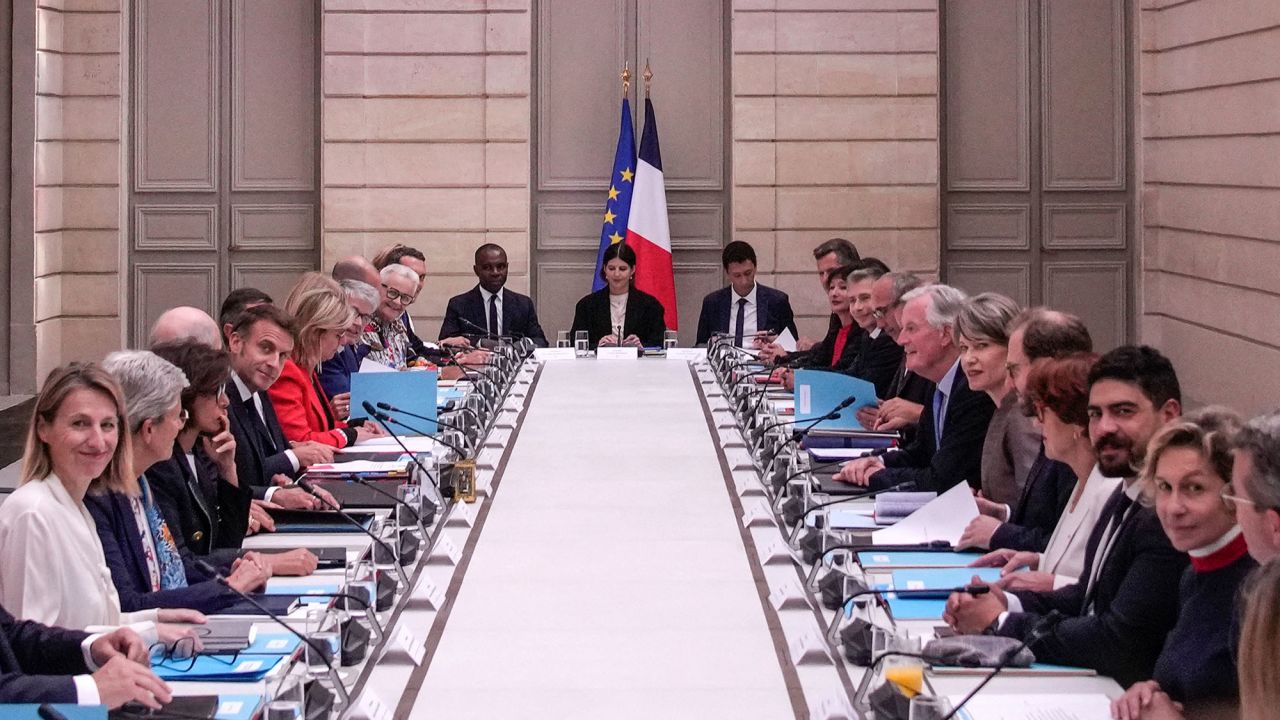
x: 78, y: 118
x: 375, y: 75
x: 273, y: 122
x: 755, y: 163
x: 1203, y: 302
x: 404, y: 33
x: 90, y: 74
x: 688, y: 88
x: 852, y: 75
x: 176, y: 227
x: 404, y: 165
x: 1230, y: 110
x: 507, y: 119
x: 577, y: 135
x: 1216, y: 63
x: 989, y: 227
x: 403, y: 119
x: 90, y: 251
x: 560, y: 286
x: 1247, y: 212
x: 1010, y: 279
x: 1096, y: 291
x: 91, y: 32
x: 78, y: 339
x: 175, y: 125
x: 1084, y: 95
x: 91, y: 208
x: 693, y: 282
x: 857, y: 163
x: 279, y: 226
x: 1245, y: 263
x: 987, y: 141
x: 1218, y: 369
x: 869, y: 32
x: 915, y: 250
x: 404, y: 209
x: 78, y: 294
x: 755, y: 118
x: 87, y: 163
x: 275, y: 279
x: 893, y: 207
x: 568, y: 226
x: 839, y: 118
x: 755, y: 74
x: 160, y: 286
x: 506, y: 164
x: 1196, y: 22
x: 1095, y: 226
x: 1241, y: 161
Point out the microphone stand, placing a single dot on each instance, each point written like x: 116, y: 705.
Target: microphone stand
x: 336, y: 679
x: 392, y: 408
x: 799, y: 522
x: 417, y: 518
x: 305, y: 484
x: 382, y: 420
x: 933, y: 546
x: 879, y: 595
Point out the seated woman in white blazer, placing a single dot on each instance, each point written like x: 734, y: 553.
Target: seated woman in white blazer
x: 52, y: 568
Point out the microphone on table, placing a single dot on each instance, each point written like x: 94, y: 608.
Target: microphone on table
x: 382, y: 419
x: 879, y: 593
x: 49, y: 712
x: 780, y: 481
x: 210, y: 570
x: 795, y: 516
x: 365, y: 603
x: 800, y: 433
x: 305, y: 484
x: 855, y: 548
x: 392, y: 408
x: 417, y: 517
x: 453, y: 357
x: 385, y: 418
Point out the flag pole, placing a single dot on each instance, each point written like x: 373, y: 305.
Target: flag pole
x: 626, y: 80
x: 648, y: 77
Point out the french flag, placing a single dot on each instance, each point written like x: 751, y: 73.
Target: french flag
x: 648, y: 233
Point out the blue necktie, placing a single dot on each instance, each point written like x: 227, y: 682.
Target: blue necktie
x: 742, y: 320
x: 939, y: 398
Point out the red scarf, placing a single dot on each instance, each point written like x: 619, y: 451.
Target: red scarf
x: 1222, y: 557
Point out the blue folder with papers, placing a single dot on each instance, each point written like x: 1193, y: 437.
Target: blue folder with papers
x: 819, y: 392
x: 23, y: 711
x: 316, y: 586
x: 412, y: 392
x: 219, y: 667
x: 871, y: 559
x: 927, y: 578
x: 272, y: 644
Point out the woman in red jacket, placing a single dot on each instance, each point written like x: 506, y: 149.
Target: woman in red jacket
x: 323, y: 315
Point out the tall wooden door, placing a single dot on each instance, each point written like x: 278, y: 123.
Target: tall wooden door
x: 581, y: 47
x: 224, y: 132
x: 1038, y: 159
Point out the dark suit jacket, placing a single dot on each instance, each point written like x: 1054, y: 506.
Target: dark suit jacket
x: 644, y: 317
x: 335, y: 373
x: 259, y: 449
x: 519, y: 318
x: 819, y: 356
x: 958, y: 459
x: 1044, y: 496
x: 877, y: 362
x: 37, y: 661
x: 122, y: 546
x: 719, y: 311
x: 207, y: 515
x: 1134, y: 602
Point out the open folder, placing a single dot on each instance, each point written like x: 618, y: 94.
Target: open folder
x: 317, y: 521
x: 216, y: 668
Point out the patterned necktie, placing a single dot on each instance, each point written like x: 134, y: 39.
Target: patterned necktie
x: 172, y: 574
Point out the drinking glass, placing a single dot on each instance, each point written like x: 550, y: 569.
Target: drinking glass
x: 929, y: 707
x: 581, y: 341
x: 562, y: 339
x: 670, y: 339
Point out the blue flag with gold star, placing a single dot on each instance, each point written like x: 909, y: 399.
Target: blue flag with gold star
x: 621, y: 182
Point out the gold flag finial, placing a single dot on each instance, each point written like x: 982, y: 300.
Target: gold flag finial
x: 626, y: 79
x: 648, y: 77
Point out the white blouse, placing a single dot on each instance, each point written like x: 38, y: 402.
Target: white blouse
x: 52, y: 569
x: 618, y: 311
x: 1064, y: 555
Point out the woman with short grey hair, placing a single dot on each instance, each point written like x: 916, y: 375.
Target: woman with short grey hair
x: 388, y: 338
x: 1012, y: 443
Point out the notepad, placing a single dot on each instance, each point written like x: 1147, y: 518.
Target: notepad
x: 24, y: 711
x: 872, y: 559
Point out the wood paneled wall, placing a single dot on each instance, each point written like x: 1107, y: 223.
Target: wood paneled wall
x: 1211, y: 195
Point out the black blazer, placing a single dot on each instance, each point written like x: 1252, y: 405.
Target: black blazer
x: 1134, y: 601
x: 877, y: 362
x: 207, y: 515
x: 1033, y: 518
x: 519, y: 318
x: 818, y: 357
x: 37, y: 661
x: 259, y: 447
x: 719, y: 308
x: 958, y: 459
x: 644, y: 317
x: 122, y: 546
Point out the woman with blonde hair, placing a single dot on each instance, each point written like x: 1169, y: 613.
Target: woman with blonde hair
x: 323, y: 315
x: 53, y: 569
x: 1187, y: 468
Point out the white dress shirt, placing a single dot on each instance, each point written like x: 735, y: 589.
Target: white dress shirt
x: 53, y: 571
x: 485, y: 295
x: 749, y: 322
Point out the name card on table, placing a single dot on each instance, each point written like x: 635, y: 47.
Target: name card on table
x: 444, y: 552
x: 428, y: 591
x: 497, y: 438
x: 757, y: 514
x: 406, y: 642
x: 555, y: 354
x: 833, y: 706
x: 745, y: 483
x: 370, y: 707
x: 788, y: 595
x: 730, y: 437
x: 775, y: 551
x: 809, y: 647
x: 687, y: 354
x: 617, y: 353
x: 461, y: 516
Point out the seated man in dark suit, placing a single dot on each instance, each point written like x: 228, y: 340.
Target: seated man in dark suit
x: 260, y: 340
x: 745, y: 308
x: 1028, y: 523
x: 490, y: 310
x: 879, y: 355
x: 1116, y: 617
x: 42, y: 664
x: 901, y: 405
x: 947, y: 448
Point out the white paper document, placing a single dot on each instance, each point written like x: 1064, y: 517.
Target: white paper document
x: 373, y: 366
x: 830, y: 454
x: 1041, y: 706
x: 360, y: 466
x: 943, y: 519
x: 415, y: 444
x: 786, y: 340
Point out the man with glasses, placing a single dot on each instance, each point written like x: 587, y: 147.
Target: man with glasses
x: 903, y: 403
x: 335, y: 373
x: 1254, y: 491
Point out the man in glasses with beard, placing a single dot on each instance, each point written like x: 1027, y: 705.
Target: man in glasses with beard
x: 1115, y: 618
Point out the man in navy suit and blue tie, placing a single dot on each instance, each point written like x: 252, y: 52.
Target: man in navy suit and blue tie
x: 745, y: 308
x: 490, y: 310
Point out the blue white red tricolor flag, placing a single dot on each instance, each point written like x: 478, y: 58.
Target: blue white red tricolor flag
x: 648, y: 233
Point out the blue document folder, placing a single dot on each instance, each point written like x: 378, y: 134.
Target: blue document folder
x: 23, y: 711
x: 819, y: 392
x: 872, y: 559
x: 318, y: 585
x: 220, y: 667
x: 927, y: 578
x: 272, y: 644
x: 412, y: 392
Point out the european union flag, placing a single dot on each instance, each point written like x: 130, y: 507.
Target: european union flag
x: 621, y: 182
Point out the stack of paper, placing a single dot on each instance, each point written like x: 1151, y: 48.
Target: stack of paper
x: 1041, y: 706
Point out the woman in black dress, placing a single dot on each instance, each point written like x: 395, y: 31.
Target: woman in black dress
x: 618, y: 313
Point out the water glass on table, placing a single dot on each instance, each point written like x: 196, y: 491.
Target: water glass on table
x: 929, y: 707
